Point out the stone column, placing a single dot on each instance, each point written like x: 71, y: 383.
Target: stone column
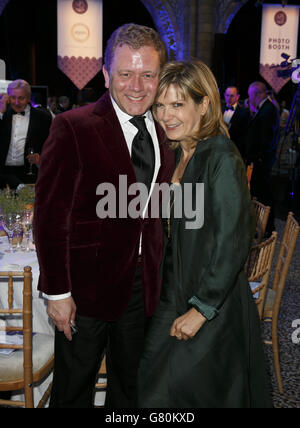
x: 206, y: 21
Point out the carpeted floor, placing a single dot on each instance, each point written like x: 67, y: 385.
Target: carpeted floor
x: 289, y: 351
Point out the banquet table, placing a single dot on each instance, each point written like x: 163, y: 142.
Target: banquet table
x: 16, y: 261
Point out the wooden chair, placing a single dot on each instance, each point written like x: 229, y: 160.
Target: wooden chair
x: 262, y: 213
x: 274, y: 294
x: 249, y: 174
x: 101, y: 383
x: 258, y: 270
x: 33, y: 359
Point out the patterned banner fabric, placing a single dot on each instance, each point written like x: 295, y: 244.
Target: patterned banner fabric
x: 79, y: 28
x: 279, y: 35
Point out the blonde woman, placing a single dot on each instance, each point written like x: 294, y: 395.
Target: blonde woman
x: 203, y: 348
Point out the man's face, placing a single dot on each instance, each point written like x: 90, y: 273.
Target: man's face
x: 133, y: 78
x: 18, y: 99
x: 255, y: 96
x: 231, y: 96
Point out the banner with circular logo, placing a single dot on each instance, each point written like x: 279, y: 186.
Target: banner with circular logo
x: 79, y: 39
x: 279, y: 35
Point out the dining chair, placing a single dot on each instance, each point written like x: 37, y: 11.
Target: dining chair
x: 249, y: 174
x: 32, y: 359
x: 262, y: 213
x: 258, y: 269
x: 274, y: 294
x: 101, y: 383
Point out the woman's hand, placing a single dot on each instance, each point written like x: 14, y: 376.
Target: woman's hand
x: 188, y: 325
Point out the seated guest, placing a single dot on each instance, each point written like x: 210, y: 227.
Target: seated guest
x: 23, y: 131
x: 236, y: 117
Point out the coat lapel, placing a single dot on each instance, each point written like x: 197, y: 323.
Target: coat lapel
x: 110, y: 133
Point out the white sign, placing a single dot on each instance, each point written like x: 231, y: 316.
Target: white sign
x: 279, y: 35
x: 79, y: 39
x: 3, y: 86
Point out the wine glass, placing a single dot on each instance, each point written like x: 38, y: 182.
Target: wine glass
x: 18, y: 231
x: 27, y: 223
x: 9, y: 227
x: 1, y: 221
x: 30, y: 151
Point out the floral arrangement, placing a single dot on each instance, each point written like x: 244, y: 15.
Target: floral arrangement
x: 16, y: 201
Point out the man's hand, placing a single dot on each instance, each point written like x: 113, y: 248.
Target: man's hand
x: 3, y: 102
x: 188, y: 325
x: 62, y: 312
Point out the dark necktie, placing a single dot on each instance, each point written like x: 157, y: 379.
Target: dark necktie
x: 142, y: 153
x: 230, y: 108
x: 21, y: 112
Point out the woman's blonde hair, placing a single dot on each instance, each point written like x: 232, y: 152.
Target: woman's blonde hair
x: 195, y: 80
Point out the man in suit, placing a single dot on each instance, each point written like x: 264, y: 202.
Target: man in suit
x: 104, y: 271
x: 236, y: 117
x: 22, y: 127
x: 261, y: 145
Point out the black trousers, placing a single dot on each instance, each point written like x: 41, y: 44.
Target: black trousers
x: 77, y: 362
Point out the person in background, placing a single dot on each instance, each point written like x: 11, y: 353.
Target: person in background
x: 261, y: 141
x: 102, y: 274
x: 52, y: 106
x: 236, y: 117
x: 203, y: 348
x: 23, y: 131
x: 63, y: 104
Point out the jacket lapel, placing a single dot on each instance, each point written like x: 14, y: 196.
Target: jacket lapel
x: 110, y: 133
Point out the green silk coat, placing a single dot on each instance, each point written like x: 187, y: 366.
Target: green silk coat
x: 223, y: 365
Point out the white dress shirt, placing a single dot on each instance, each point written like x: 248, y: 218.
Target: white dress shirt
x: 228, y: 114
x: 129, y: 131
x: 19, y: 129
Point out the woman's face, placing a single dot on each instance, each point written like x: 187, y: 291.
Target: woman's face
x: 180, y: 118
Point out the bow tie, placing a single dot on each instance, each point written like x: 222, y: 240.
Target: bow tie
x: 21, y: 112
x: 230, y: 108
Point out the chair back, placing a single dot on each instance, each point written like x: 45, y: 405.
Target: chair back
x: 25, y: 313
x: 262, y: 213
x: 286, y: 251
x: 258, y: 269
x: 249, y: 174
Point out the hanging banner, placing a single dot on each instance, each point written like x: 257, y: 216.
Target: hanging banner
x: 79, y: 39
x: 279, y: 35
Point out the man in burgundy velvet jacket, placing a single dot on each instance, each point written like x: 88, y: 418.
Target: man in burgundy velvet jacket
x: 91, y: 269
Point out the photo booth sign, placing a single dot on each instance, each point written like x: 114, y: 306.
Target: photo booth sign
x: 279, y: 35
x: 79, y: 39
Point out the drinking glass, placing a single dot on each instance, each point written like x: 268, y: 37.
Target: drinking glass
x: 30, y: 151
x: 18, y: 231
x: 27, y: 223
x: 9, y: 227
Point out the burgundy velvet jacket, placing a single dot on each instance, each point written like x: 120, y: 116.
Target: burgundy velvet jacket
x: 94, y: 259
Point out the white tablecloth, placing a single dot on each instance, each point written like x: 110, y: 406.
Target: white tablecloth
x: 17, y: 261
x: 41, y: 322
